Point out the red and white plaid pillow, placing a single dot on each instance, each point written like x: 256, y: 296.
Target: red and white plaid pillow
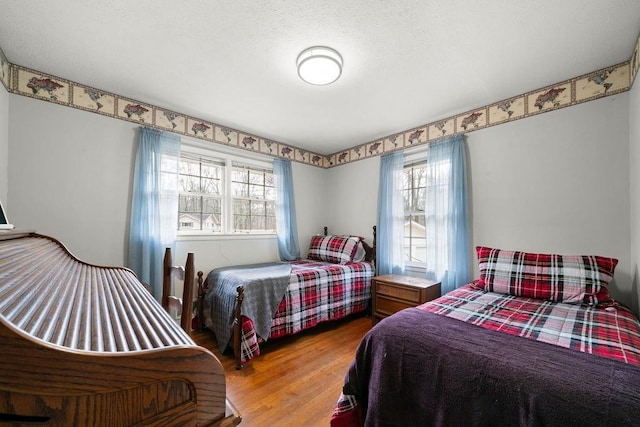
x: 335, y: 249
x: 573, y: 279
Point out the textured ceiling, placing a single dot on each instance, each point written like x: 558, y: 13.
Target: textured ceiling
x: 406, y: 63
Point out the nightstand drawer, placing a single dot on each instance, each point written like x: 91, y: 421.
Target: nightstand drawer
x: 407, y: 294
x: 387, y: 306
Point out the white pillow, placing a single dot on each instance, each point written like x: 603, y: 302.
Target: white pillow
x: 360, y: 253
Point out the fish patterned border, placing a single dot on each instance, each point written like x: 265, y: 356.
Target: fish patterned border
x: 597, y: 84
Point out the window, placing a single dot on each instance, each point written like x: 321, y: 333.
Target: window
x: 224, y: 195
x: 414, y: 189
x: 254, y: 195
x: 200, y: 185
x: 420, y: 222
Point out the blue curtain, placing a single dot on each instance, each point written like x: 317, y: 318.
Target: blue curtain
x: 390, y: 222
x: 154, y: 205
x: 446, y: 214
x: 286, y: 225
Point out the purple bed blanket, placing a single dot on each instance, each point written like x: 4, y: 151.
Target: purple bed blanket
x: 418, y: 368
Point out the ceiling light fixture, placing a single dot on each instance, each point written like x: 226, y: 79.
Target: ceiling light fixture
x: 319, y: 65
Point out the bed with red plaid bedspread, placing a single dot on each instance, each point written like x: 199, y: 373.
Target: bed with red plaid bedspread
x: 317, y: 292
x: 611, y: 332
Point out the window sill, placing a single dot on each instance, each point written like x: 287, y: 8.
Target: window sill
x: 415, y: 270
x: 184, y: 237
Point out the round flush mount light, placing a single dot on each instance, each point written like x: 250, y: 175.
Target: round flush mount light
x: 319, y: 65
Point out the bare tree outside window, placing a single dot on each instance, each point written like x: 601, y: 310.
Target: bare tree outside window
x: 200, y: 186
x: 254, y: 195
x: 414, y: 187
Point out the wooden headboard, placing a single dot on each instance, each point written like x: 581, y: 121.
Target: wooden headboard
x: 370, y: 250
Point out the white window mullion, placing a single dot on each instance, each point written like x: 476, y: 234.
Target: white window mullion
x: 228, y: 198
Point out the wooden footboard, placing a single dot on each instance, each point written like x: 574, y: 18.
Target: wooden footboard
x: 236, y: 337
x: 186, y: 273
x: 237, y: 328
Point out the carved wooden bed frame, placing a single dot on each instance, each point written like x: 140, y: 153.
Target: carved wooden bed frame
x: 57, y: 313
x: 370, y: 255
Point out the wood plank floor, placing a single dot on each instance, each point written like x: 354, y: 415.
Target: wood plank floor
x: 296, y: 380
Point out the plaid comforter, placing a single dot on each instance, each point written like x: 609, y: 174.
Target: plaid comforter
x: 318, y: 292
x: 611, y: 332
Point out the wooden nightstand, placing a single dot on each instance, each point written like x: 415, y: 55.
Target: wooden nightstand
x: 394, y: 292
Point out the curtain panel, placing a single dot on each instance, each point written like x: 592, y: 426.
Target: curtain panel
x: 286, y: 224
x: 446, y: 211
x: 390, y: 221
x: 154, y: 205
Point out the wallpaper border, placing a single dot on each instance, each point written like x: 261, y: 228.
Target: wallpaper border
x: 5, y: 70
x: 594, y: 85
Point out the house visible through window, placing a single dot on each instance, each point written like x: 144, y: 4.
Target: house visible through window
x: 414, y: 188
x: 224, y: 196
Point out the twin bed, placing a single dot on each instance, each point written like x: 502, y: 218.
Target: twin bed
x: 247, y: 305
x: 537, y: 340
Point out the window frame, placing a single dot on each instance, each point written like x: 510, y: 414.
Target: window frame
x: 230, y: 157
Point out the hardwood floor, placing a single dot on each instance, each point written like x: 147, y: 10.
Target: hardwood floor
x: 296, y: 380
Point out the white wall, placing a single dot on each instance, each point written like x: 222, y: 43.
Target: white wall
x: 71, y: 174
x: 557, y: 182
x: 4, y: 146
x: 352, y: 198
x: 634, y: 186
x: 310, y: 192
